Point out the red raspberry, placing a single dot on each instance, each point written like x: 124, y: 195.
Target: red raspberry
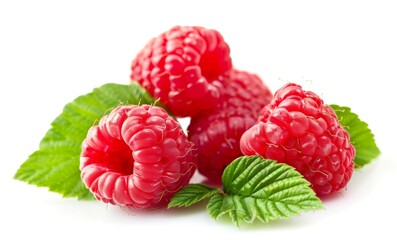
x: 182, y: 68
x: 137, y: 156
x: 296, y: 128
x: 217, y: 133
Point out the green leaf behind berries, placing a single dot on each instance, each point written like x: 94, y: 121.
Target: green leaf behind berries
x: 361, y: 136
x: 56, y: 164
x: 256, y: 188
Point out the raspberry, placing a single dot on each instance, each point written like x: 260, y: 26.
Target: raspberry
x: 296, y: 128
x: 217, y: 133
x: 136, y: 156
x: 182, y: 68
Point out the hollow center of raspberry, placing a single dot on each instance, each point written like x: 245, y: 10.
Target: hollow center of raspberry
x: 121, y: 161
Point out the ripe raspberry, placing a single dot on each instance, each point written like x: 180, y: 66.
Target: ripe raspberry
x: 137, y: 156
x: 182, y: 67
x: 217, y: 133
x: 296, y: 128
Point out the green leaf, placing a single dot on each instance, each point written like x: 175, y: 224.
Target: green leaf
x: 215, y: 206
x: 192, y: 194
x: 257, y: 188
x: 360, y: 136
x: 56, y: 164
x: 253, y: 188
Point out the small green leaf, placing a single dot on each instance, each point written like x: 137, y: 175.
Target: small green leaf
x: 214, y: 206
x: 192, y: 194
x: 360, y: 136
x: 56, y: 164
x: 257, y: 188
x: 253, y: 188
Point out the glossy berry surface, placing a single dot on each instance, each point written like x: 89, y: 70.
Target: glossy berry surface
x: 217, y: 133
x: 137, y: 156
x: 296, y: 128
x: 183, y: 67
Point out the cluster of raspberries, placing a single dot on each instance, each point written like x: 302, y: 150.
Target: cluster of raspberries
x: 138, y: 156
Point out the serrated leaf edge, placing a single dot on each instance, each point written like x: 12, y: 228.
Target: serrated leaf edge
x: 248, y: 208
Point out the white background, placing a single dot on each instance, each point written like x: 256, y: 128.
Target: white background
x: 53, y: 51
